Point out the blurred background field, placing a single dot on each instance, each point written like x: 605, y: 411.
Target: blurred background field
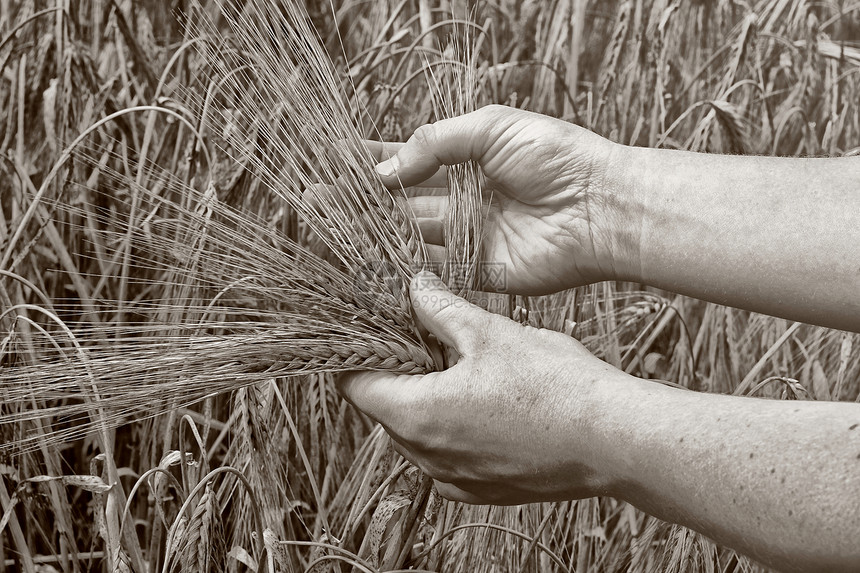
x: 305, y: 482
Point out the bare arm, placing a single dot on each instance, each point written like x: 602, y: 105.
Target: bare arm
x: 530, y: 415
x: 779, y: 236
x: 777, y: 480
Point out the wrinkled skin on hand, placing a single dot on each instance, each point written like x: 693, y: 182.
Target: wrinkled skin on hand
x: 473, y: 427
x: 550, y: 190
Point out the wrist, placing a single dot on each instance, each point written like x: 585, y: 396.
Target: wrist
x: 604, y: 423
x: 619, y: 417
x: 621, y: 212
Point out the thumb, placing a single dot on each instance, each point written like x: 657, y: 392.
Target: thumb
x: 389, y: 399
x: 383, y: 396
x: 450, y: 318
x: 446, y: 142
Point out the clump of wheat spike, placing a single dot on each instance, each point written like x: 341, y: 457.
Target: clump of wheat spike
x: 240, y: 301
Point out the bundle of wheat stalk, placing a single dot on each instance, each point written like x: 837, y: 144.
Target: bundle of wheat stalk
x: 240, y: 302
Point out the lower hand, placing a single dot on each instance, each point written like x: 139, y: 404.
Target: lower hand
x: 509, y: 423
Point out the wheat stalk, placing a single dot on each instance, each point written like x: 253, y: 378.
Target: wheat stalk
x: 244, y: 302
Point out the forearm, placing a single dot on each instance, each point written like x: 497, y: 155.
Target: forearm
x: 779, y: 236
x: 777, y: 480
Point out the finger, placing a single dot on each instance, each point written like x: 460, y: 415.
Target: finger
x: 436, y: 254
x: 450, y: 318
x: 453, y: 493
x: 446, y: 142
x: 432, y: 230
x: 438, y: 179
x: 452, y: 357
x: 382, y: 151
x: 429, y: 206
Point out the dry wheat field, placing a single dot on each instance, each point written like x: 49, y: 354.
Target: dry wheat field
x: 173, y: 309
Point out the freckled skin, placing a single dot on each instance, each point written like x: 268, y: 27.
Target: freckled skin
x: 778, y: 481
x: 803, y: 468
x: 761, y: 476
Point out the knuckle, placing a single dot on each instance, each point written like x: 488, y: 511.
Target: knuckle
x: 495, y: 111
x: 448, y: 311
x: 493, y: 108
x: 423, y: 435
x: 424, y: 135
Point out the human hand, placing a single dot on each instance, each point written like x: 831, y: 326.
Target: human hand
x: 554, y: 191
x: 515, y: 420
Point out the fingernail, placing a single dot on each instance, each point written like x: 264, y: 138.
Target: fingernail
x: 388, y: 167
x: 425, y: 280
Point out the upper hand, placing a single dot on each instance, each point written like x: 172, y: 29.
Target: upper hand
x: 552, y: 188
